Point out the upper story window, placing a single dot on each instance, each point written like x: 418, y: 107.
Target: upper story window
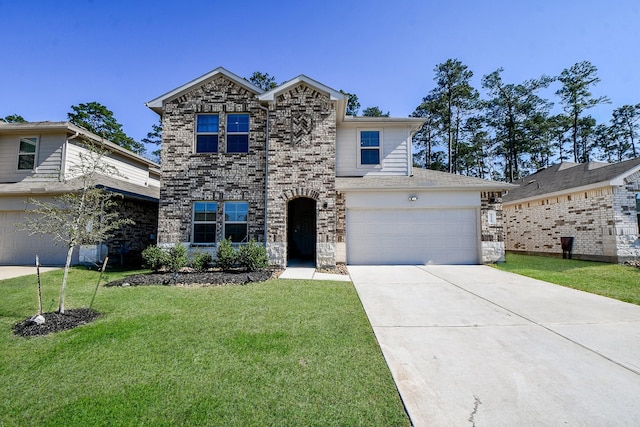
x: 370, y: 144
x: 204, y: 222
x: 27, y: 153
x: 235, y: 221
x: 207, y: 133
x: 237, y: 133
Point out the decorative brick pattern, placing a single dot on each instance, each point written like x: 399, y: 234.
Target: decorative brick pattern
x: 602, y: 222
x: 302, y: 156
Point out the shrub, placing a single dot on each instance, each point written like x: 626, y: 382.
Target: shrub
x: 177, y: 257
x: 201, y: 261
x: 253, y: 256
x: 226, y: 256
x: 155, y: 257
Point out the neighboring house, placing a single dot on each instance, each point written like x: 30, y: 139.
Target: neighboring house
x: 289, y: 168
x: 35, y: 161
x: 595, y: 204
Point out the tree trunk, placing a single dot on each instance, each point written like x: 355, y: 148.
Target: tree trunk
x: 64, y: 280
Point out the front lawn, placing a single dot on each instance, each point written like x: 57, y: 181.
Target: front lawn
x: 611, y: 280
x: 281, y: 352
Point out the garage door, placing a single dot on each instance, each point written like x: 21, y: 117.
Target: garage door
x: 18, y: 248
x: 412, y: 236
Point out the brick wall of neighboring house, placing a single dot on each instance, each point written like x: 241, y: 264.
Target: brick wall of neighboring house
x: 302, y: 156
x: 220, y: 177
x: 602, y: 222
x: 127, y: 243
x: 492, y: 223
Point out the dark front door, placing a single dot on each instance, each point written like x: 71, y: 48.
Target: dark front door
x: 301, y: 230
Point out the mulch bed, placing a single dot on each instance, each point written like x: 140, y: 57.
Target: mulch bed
x: 206, y: 278
x: 55, y: 322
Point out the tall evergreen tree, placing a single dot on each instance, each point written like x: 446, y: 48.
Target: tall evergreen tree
x: 353, y: 104
x: 98, y: 119
x: 154, y: 137
x: 508, y: 109
x: 263, y: 80
x: 13, y: 118
x: 625, y: 125
x: 374, y: 112
x: 575, y: 95
x: 427, y: 137
x: 458, y: 98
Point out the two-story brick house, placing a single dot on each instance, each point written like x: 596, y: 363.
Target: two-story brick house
x: 36, y: 162
x: 287, y: 167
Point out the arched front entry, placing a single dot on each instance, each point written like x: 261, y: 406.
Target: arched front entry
x: 301, y: 231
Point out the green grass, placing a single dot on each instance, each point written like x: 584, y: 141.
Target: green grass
x: 611, y: 280
x: 283, y: 352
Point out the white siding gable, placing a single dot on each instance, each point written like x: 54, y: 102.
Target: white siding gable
x: 395, y: 155
x: 128, y: 170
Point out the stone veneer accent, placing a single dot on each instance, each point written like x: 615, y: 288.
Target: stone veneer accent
x: 302, y: 163
x: 603, y: 223
x: 492, y: 234
x: 188, y: 176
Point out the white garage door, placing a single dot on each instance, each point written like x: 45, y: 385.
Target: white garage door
x: 412, y: 236
x: 18, y: 248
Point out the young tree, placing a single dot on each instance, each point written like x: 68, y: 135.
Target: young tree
x: 98, y: 119
x: 508, y: 108
x: 155, y: 137
x: 263, y: 80
x: 83, y: 217
x: 458, y: 98
x: 353, y: 104
x: 374, y: 112
x: 13, y: 118
x: 575, y: 95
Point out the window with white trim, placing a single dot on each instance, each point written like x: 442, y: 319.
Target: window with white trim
x: 207, y: 133
x: 205, y: 216
x: 27, y: 153
x: 370, y: 143
x: 235, y: 221
x: 237, y: 133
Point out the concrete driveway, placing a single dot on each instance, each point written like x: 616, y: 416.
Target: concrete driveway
x: 475, y: 346
x: 9, y: 271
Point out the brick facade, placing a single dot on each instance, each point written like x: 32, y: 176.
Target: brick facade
x: 302, y: 163
x: 188, y: 176
x: 602, y: 222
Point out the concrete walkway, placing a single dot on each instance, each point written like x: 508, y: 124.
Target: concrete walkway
x: 475, y: 346
x: 9, y: 271
x: 309, y: 273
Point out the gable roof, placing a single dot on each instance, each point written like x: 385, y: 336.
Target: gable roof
x: 157, y: 103
x: 422, y: 179
x: 334, y: 95
x: 568, y: 176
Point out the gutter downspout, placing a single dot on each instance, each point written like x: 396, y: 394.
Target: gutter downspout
x: 266, y: 173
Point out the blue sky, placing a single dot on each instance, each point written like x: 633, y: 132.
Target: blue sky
x: 55, y: 54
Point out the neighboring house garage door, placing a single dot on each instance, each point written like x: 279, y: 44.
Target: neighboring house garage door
x: 18, y: 248
x: 412, y: 236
